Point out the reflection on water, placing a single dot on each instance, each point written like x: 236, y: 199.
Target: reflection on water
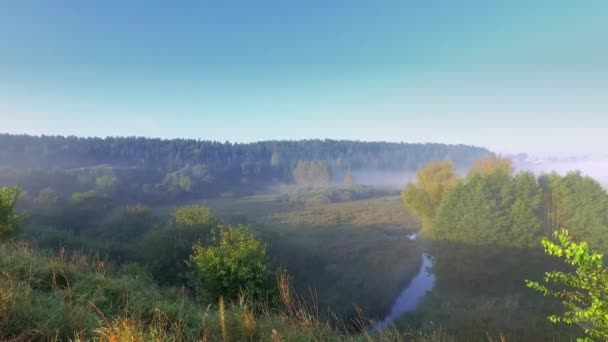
x: 410, y: 297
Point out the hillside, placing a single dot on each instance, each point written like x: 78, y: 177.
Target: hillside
x: 81, y: 297
x: 163, y: 171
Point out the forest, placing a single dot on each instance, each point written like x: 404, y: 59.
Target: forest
x: 132, y: 239
x: 155, y: 171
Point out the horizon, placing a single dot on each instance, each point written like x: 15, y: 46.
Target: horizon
x: 513, y: 78
x: 528, y: 158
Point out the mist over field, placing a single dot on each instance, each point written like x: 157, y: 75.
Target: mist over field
x: 595, y: 167
x: 391, y: 179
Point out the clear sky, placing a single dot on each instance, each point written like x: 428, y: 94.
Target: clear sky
x: 514, y: 76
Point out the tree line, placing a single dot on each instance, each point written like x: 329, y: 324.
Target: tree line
x: 485, y: 231
x: 495, y: 205
x: 148, y: 170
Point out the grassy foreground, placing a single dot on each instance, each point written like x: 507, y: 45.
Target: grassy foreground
x: 80, y: 297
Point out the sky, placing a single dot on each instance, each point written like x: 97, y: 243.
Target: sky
x: 513, y: 76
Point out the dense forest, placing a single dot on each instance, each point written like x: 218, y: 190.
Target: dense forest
x: 155, y: 170
x: 496, y: 206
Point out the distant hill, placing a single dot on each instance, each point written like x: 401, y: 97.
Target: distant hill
x: 195, y: 167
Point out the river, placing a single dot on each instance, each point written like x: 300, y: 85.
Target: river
x: 411, y: 296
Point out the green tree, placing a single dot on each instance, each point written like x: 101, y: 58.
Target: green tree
x: 129, y: 222
x: 432, y: 184
x: 525, y: 210
x: 233, y: 262
x: 497, y: 208
x: 578, y: 204
x: 10, y: 222
x: 584, y: 292
x: 165, y: 249
x: 472, y: 213
x: 177, y: 182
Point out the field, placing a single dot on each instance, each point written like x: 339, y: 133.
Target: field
x: 343, y: 254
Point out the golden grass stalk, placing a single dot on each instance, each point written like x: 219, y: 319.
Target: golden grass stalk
x: 222, y: 313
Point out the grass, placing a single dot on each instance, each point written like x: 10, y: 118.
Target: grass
x: 345, y: 251
x: 79, y: 297
x: 383, y: 213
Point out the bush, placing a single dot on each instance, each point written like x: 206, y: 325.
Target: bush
x: 165, y: 250
x: 234, y: 262
x: 194, y: 216
x: 10, y: 222
x: 582, y: 292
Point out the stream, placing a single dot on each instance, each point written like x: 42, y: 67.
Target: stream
x: 410, y: 297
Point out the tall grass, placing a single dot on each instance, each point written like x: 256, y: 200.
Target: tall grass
x: 80, y: 297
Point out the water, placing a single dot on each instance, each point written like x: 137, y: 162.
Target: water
x: 409, y: 299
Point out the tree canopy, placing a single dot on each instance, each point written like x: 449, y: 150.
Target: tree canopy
x: 432, y: 183
x: 495, y: 206
x: 491, y: 165
x: 154, y: 170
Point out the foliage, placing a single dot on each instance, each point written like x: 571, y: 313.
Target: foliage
x: 583, y: 292
x: 188, y: 179
x: 194, y: 216
x: 496, y: 209
x: 165, y: 249
x: 128, y: 223
x: 491, y: 165
x: 85, y: 211
x: 494, y: 206
x: 161, y: 171
x: 432, y: 183
x: 482, y: 236
x: 10, y: 222
x: 232, y: 263
x: 76, y: 297
x: 579, y: 204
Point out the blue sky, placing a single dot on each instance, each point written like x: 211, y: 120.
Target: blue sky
x: 514, y: 76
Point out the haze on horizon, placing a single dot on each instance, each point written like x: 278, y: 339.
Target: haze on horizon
x: 514, y: 76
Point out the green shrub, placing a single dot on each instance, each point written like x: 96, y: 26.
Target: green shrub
x: 194, y: 216
x: 232, y: 263
x: 10, y: 222
x: 584, y: 292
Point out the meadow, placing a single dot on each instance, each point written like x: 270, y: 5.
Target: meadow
x: 347, y: 254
